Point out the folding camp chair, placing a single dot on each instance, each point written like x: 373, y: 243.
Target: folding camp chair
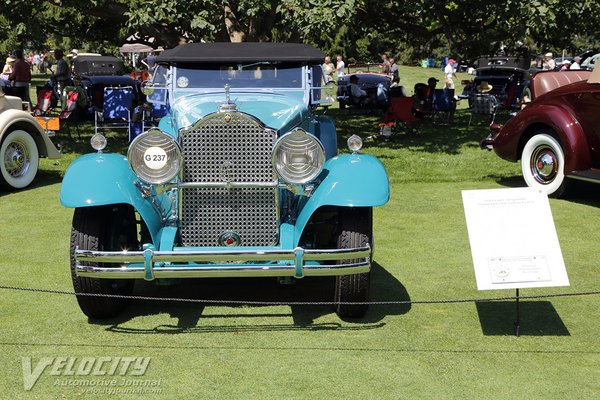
x: 69, y: 111
x: 44, y: 104
x: 423, y: 100
x: 483, y: 104
x: 116, y: 109
x: 444, y: 105
x: 152, y: 114
x: 400, y: 113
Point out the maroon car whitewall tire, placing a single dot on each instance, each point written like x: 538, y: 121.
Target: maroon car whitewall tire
x: 543, y: 163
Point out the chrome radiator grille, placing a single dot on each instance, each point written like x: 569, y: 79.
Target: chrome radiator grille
x: 235, y: 148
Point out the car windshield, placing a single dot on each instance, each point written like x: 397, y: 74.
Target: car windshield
x: 252, y: 75
x: 498, y: 72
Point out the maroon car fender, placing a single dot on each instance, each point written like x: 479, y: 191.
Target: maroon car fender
x: 518, y: 130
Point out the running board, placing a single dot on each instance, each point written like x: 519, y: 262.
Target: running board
x: 588, y: 175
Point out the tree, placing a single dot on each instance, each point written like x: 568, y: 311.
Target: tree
x: 358, y: 29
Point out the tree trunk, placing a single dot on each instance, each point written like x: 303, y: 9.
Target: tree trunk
x: 234, y: 29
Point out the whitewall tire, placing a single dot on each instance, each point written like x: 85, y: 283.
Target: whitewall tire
x: 543, y: 164
x: 19, y: 159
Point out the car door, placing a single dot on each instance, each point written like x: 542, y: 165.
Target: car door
x: 585, y: 106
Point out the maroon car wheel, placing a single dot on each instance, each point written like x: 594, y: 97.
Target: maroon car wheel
x: 542, y: 164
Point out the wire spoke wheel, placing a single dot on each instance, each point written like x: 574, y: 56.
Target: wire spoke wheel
x: 19, y: 160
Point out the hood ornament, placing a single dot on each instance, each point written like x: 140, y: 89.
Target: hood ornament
x: 228, y: 105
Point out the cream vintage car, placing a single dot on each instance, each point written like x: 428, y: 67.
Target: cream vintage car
x: 22, y: 142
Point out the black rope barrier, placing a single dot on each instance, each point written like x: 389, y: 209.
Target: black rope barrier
x: 299, y: 303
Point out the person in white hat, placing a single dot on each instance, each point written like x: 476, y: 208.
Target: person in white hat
x: 548, y: 64
x: 7, y: 70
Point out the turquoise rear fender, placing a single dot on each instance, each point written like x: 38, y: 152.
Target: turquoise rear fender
x: 102, y: 179
x: 353, y: 180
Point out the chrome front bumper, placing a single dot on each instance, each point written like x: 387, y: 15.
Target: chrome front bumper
x: 151, y: 264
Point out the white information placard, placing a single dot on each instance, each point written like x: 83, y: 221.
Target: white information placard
x: 513, y: 239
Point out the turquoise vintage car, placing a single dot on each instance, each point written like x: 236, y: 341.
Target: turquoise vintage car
x: 241, y: 178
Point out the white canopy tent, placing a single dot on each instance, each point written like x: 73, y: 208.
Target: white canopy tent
x: 134, y: 51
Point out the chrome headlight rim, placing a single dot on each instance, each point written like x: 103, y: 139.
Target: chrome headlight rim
x: 320, y: 157
x: 142, y: 170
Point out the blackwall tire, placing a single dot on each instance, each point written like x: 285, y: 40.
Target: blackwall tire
x: 19, y: 160
x: 543, y: 163
x: 102, y: 228
x: 356, y: 227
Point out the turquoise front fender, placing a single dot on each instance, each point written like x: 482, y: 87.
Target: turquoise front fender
x: 102, y: 179
x: 353, y: 180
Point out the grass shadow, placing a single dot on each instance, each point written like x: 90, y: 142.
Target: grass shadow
x: 192, y: 317
x: 43, y: 178
x: 537, y: 318
x: 427, y: 137
x: 580, y: 192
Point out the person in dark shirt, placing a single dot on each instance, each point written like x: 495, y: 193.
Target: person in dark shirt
x: 61, y: 76
x: 394, y: 68
x: 150, y: 63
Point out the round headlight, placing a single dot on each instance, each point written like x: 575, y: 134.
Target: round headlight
x: 355, y: 143
x: 154, y: 157
x: 298, y: 157
x: 98, y: 142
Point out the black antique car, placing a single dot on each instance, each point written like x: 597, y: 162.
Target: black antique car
x: 376, y: 85
x: 97, y: 65
x: 94, y: 73
x: 508, y: 76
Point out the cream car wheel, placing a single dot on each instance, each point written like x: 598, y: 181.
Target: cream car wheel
x: 19, y: 159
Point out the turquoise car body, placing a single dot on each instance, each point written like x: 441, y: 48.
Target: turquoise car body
x: 346, y: 180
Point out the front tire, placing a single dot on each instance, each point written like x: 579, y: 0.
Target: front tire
x: 543, y: 163
x: 19, y: 160
x: 102, y: 228
x: 356, y: 227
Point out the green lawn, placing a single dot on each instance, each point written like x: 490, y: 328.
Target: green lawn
x: 418, y: 351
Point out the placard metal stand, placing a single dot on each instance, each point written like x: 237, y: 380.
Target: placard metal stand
x: 518, y: 257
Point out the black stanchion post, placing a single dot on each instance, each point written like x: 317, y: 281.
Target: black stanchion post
x: 518, y: 321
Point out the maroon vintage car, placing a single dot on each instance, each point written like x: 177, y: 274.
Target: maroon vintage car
x: 557, y: 135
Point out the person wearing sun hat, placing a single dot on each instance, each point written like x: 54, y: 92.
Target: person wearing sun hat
x: 548, y: 64
x: 565, y: 65
x: 484, y: 87
x: 6, y: 71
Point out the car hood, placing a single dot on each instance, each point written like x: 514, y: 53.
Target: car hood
x: 276, y: 111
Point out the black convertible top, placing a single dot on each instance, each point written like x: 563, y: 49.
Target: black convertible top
x: 242, y: 52
x: 98, y: 65
x: 502, y: 62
